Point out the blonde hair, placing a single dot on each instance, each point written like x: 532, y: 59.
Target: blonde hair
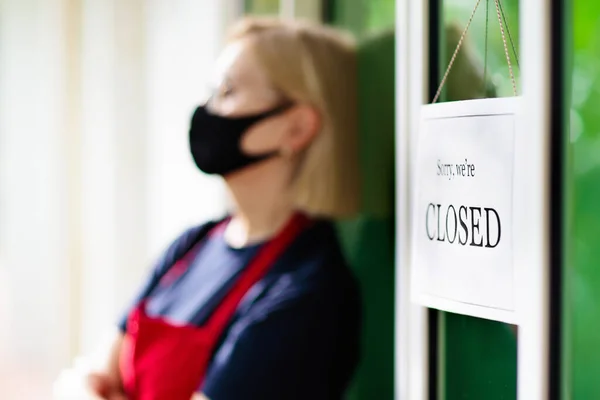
x: 316, y: 65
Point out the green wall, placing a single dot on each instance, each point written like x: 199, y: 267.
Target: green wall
x: 369, y: 239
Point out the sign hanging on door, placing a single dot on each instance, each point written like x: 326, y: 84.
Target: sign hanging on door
x: 462, y: 223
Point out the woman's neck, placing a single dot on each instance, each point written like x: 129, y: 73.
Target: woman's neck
x: 264, y: 203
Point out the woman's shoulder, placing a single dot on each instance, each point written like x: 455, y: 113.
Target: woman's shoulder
x: 314, y: 270
x: 318, y: 252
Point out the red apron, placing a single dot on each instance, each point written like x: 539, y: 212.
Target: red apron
x: 160, y: 361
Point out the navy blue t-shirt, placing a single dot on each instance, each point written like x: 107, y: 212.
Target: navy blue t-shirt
x: 295, y: 334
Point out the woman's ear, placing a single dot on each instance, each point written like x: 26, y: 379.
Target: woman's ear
x: 306, y: 124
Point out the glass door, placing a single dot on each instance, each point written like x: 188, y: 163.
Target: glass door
x: 444, y: 355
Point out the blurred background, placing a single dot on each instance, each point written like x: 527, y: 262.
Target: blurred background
x: 96, y: 177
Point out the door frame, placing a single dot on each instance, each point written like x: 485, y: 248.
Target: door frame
x: 412, y: 349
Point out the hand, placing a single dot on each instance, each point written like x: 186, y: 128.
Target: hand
x: 104, y: 387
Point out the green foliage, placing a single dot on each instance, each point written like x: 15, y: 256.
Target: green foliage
x: 457, y: 13
x: 582, y: 138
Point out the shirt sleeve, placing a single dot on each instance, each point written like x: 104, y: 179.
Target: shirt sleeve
x: 292, y: 351
x: 161, y: 266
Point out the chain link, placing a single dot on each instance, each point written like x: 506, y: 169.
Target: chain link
x: 501, y: 17
x: 458, y: 46
x: 510, y: 70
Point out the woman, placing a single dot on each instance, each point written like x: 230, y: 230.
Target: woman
x: 260, y: 305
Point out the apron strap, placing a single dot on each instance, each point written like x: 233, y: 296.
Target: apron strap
x: 255, y: 271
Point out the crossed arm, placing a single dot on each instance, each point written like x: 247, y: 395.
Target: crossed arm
x: 106, y: 384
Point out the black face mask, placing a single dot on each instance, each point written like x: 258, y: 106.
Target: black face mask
x: 215, y: 140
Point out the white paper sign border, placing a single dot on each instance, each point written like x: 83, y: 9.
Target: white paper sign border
x: 480, y: 107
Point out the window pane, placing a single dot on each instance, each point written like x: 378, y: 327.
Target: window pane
x: 477, y: 357
x: 363, y: 16
x: 261, y: 7
x: 478, y: 360
x: 480, y: 69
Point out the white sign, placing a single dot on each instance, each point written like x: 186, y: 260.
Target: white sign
x: 463, y: 216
